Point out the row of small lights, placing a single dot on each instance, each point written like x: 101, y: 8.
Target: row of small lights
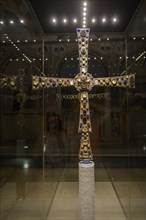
x: 60, y: 40
x: 17, y: 48
x: 84, y: 14
x: 93, y: 20
x: 28, y: 58
x: 95, y: 58
x: 18, y: 41
x: 11, y: 22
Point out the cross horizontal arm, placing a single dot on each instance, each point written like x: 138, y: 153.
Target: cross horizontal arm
x: 50, y: 82
x: 7, y: 81
x: 116, y: 81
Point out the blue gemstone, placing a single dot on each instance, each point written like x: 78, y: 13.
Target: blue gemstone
x: 84, y: 120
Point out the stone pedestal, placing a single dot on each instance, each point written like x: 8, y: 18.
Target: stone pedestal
x: 86, y: 191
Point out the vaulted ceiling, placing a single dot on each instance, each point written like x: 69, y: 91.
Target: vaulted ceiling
x: 64, y: 16
x: 95, y: 11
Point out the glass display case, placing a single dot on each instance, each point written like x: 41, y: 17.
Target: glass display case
x: 39, y: 139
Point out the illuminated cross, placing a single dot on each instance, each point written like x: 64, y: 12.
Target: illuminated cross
x: 84, y: 82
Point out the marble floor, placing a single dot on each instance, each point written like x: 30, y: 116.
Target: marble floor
x: 52, y: 194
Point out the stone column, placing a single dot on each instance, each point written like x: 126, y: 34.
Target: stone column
x: 86, y: 191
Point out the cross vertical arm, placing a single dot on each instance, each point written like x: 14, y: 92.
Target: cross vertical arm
x: 85, y: 153
x: 84, y: 83
x: 83, y: 41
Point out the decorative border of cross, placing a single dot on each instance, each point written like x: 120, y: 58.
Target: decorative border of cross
x: 84, y: 82
x: 8, y: 82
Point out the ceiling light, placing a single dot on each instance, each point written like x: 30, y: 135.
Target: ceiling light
x: 101, y: 58
x: 107, y: 38
x: 134, y: 38
x: 3, y: 41
x: 25, y: 40
x: 84, y: 14
x: 22, y: 21
x: 46, y: 59
x: 115, y: 20
x: 84, y: 9
x: 68, y: 39
x: 75, y: 20
x: 1, y: 22
x: 59, y: 40
x: 11, y: 22
x: 84, y: 22
x: 65, y: 58
x: 93, y: 20
x: 26, y: 147
x: 94, y: 58
x: 85, y: 3
x: 10, y: 59
x: 91, y: 39
x: 120, y: 58
x: 103, y: 20
x: 99, y: 39
x: 65, y: 20
x: 143, y: 38
x: 18, y: 41
x: 133, y: 57
x: 84, y: 26
x: 54, y: 20
x: 34, y: 41
x: 76, y: 39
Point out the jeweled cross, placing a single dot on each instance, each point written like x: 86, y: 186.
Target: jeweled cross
x: 84, y: 82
